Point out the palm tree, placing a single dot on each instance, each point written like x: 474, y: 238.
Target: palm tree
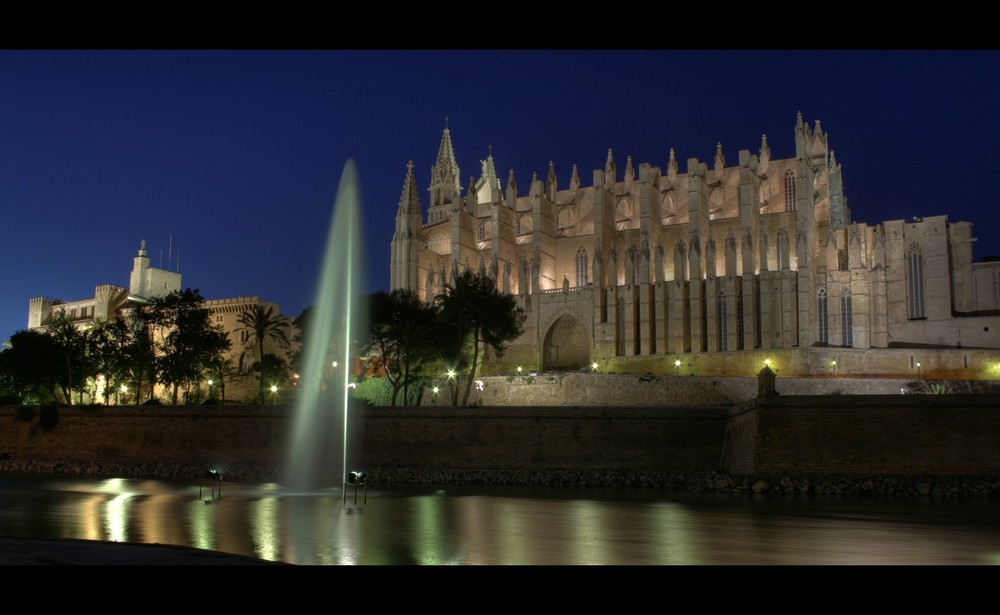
x: 264, y: 323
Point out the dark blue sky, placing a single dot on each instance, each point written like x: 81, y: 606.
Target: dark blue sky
x: 231, y: 159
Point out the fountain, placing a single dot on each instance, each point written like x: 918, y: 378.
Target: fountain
x: 318, y: 439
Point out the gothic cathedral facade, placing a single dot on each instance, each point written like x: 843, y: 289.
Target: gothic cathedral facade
x: 704, y: 270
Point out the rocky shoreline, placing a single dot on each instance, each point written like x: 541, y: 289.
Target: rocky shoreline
x: 693, y: 481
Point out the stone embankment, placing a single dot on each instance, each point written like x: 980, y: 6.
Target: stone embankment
x: 691, y: 481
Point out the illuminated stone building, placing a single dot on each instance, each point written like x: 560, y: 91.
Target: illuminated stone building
x: 111, y: 302
x: 705, y: 267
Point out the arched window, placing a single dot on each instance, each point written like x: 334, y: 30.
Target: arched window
x: 821, y: 316
x: 739, y: 320
x: 915, y: 282
x: 722, y: 324
x: 789, y: 190
x: 581, y: 267
x: 845, y: 321
x: 481, y: 236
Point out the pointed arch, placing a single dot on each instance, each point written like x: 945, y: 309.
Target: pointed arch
x: 722, y: 322
x: 789, y: 190
x: 582, y: 267
x: 846, y: 320
x: 822, y: 316
x: 915, y: 282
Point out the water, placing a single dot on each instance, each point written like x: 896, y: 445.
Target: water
x: 318, y: 436
x: 437, y: 525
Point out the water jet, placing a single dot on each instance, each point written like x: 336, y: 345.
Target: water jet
x: 317, y: 448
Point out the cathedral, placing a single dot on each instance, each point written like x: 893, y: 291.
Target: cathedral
x: 706, y: 268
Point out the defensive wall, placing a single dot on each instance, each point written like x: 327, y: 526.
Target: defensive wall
x: 778, y: 433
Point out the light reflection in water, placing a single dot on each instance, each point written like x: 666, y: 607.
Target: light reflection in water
x: 427, y: 525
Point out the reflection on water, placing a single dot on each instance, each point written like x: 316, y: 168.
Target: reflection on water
x: 464, y: 525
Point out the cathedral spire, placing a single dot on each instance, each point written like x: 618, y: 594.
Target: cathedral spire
x: 445, y: 186
x: 409, y: 200
x: 764, y: 156
x: 610, y: 173
x: 672, y: 165
x: 511, y: 190
x: 551, y: 184
x: 471, y: 198
x: 720, y: 159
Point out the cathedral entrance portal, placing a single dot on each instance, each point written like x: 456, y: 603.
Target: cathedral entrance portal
x: 566, y: 345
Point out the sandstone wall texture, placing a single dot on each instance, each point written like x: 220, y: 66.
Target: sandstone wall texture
x: 677, y: 425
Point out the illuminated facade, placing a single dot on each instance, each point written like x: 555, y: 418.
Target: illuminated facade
x: 111, y: 302
x: 712, y: 264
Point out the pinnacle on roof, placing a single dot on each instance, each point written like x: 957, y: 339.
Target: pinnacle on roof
x: 409, y: 200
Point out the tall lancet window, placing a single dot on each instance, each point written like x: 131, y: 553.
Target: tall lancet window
x: 482, y: 232
x: 915, y: 282
x: 722, y: 324
x: 821, y: 315
x: 581, y: 267
x: 846, y: 321
x: 789, y: 190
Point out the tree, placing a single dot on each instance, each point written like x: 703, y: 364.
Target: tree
x: 222, y: 371
x: 400, y: 329
x: 188, y: 343
x: 32, y: 366
x: 264, y: 323
x: 139, y: 349
x: 71, y: 342
x: 475, y: 313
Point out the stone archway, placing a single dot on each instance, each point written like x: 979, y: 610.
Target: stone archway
x: 566, y: 345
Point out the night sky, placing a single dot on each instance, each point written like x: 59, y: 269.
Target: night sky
x: 227, y: 162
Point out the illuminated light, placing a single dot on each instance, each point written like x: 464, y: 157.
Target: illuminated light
x: 677, y: 363
x: 479, y: 385
x: 451, y: 373
x: 767, y: 362
x: 835, y: 363
x: 436, y: 390
x: 519, y: 369
x: 274, y: 388
x: 918, y: 363
x: 593, y: 366
x: 210, y: 382
x: 124, y: 388
x: 334, y: 364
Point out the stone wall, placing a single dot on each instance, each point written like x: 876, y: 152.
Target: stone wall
x: 595, y: 389
x: 838, y: 434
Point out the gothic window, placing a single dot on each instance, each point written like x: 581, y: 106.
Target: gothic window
x: 821, y: 315
x: 244, y: 365
x: 722, y: 325
x: 846, y: 320
x: 739, y: 320
x: 517, y: 229
x: 789, y: 190
x: 581, y: 267
x: 481, y: 236
x: 915, y: 282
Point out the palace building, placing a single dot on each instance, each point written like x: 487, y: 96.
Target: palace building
x: 706, y: 268
x: 111, y: 301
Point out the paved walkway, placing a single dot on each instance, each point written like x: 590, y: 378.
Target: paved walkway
x: 45, y: 552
